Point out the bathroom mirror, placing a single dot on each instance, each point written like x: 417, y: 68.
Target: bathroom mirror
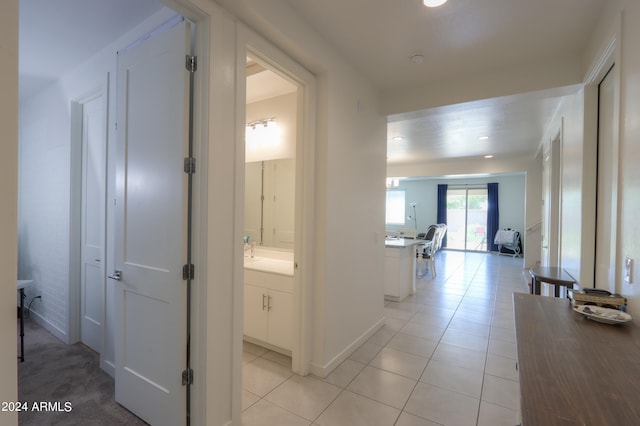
x: 270, y: 202
x: 270, y: 151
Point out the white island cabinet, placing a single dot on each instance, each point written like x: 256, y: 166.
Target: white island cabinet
x: 268, y: 304
x: 400, y: 268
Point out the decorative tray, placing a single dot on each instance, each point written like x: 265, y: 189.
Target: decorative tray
x: 605, y: 315
x: 581, y: 297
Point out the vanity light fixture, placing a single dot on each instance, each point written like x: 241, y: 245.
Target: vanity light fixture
x: 264, y: 123
x: 262, y: 132
x: 433, y: 3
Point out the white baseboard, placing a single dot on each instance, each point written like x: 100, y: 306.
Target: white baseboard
x: 108, y: 367
x: 44, y: 323
x: 323, y: 371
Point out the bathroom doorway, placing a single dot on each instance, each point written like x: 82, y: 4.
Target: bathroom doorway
x: 278, y: 166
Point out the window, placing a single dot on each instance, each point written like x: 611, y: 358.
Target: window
x: 395, y: 207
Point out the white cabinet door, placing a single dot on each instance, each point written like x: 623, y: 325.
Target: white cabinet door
x: 280, y: 306
x: 255, y: 312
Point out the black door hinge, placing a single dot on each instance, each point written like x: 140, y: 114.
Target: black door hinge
x: 192, y: 63
x: 190, y: 165
x: 187, y: 377
x: 188, y: 271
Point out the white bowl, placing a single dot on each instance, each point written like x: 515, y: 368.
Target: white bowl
x: 605, y: 315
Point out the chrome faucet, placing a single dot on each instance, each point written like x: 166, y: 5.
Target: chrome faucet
x: 249, y: 245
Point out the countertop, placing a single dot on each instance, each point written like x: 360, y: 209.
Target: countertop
x: 403, y: 242
x: 270, y: 265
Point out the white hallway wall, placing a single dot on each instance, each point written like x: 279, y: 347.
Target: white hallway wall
x: 620, y: 22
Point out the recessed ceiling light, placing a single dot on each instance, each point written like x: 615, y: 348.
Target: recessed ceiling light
x: 398, y: 138
x: 433, y: 3
x: 488, y: 156
x: 483, y: 138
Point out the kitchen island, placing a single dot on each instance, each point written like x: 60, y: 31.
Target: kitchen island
x: 400, y: 267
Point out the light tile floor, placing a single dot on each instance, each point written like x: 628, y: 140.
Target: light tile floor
x: 446, y: 356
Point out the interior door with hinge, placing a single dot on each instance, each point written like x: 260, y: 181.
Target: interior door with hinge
x: 151, y: 226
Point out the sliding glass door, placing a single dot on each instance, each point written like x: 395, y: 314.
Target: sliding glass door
x: 467, y: 218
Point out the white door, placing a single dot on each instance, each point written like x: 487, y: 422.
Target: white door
x: 546, y: 213
x: 550, y: 203
x: 605, y: 209
x: 151, y: 221
x: 92, y: 285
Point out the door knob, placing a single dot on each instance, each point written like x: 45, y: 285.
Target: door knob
x: 117, y: 275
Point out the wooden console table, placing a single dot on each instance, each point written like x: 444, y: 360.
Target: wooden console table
x: 575, y: 371
x: 551, y: 275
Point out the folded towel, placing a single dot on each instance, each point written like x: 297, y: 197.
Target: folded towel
x: 504, y: 236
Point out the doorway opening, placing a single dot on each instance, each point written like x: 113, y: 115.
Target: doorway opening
x: 279, y: 130
x: 89, y: 154
x: 269, y: 226
x: 551, y: 176
x: 606, y: 176
x: 467, y: 218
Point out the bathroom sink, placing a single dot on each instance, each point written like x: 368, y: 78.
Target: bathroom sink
x: 265, y: 264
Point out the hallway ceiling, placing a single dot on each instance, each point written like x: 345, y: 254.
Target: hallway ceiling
x: 456, y: 39
x: 58, y: 35
x: 513, y: 124
x: 460, y: 38
x: 377, y: 37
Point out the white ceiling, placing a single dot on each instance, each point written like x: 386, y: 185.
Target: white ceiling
x: 58, y: 35
x: 458, y: 39
x: 264, y: 84
x: 378, y: 37
x: 514, y: 126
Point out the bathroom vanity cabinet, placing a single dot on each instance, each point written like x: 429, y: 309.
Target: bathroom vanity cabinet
x: 268, y: 309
